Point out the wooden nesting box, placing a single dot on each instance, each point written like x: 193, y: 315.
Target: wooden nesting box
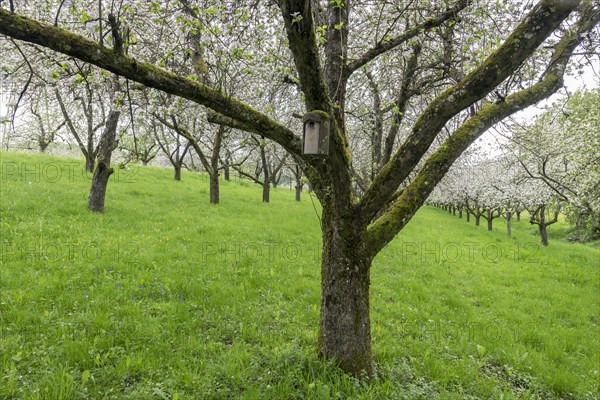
x: 315, y: 139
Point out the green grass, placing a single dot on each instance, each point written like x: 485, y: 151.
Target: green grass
x: 165, y: 296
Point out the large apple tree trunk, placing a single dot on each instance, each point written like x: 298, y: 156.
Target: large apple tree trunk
x: 345, y: 328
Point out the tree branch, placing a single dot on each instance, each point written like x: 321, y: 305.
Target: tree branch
x: 278, y: 167
x: 116, y: 35
x: 70, y: 125
x: 387, y: 226
x: 401, y: 103
x: 539, y: 24
x: 428, y: 24
x: 68, y: 43
x: 247, y: 175
x: 181, y: 131
x: 299, y: 25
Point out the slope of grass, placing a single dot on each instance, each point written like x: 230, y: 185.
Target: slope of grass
x: 165, y: 296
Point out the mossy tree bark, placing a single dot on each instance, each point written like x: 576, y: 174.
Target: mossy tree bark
x: 345, y: 328
x: 103, y: 170
x: 355, y: 230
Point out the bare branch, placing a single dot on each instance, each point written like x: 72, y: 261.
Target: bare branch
x: 68, y: 43
x: 428, y: 24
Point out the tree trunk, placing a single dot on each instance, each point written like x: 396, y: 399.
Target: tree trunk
x: 542, y: 225
x: 508, y: 223
x: 226, y: 172
x: 103, y: 170
x: 275, y: 178
x: 227, y: 164
x: 266, y: 192
x: 518, y: 216
x: 214, y: 165
x: 214, y: 187
x: 177, y: 174
x: 477, y: 218
x: 298, y: 176
x: 468, y: 216
x: 460, y: 213
x: 345, y: 329
x: 544, y: 234
x: 43, y: 146
x: 89, y: 161
x: 490, y: 220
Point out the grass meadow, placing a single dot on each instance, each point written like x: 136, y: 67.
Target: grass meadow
x: 165, y: 296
